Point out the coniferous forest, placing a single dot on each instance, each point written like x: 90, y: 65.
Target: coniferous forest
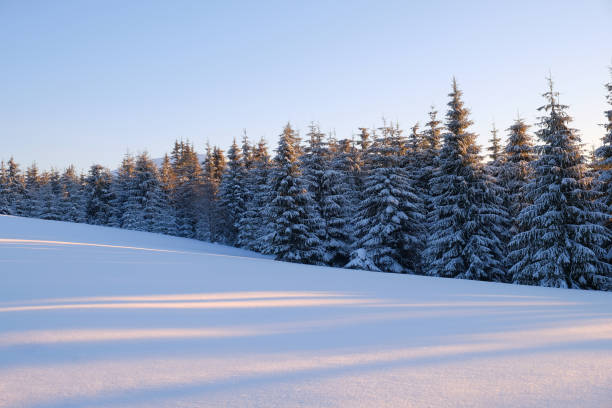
x: 536, y: 210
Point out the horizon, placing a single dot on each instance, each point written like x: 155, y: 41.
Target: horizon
x: 86, y: 83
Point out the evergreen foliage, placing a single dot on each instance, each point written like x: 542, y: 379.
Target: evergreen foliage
x: 561, y: 240
x: 390, y: 218
x: 465, y: 224
x: 293, y: 235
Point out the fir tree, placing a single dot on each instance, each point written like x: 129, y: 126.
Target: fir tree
x: 99, y: 196
x: 516, y: 170
x: 431, y: 152
x: 232, y: 194
x: 49, y: 197
x: 29, y: 204
x: 15, y: 188
x: 293, y: 231
x: 154, y: 211
x: 71, y: 201
x: 390, y: 219
x: 466, y: 222
x: 253, y: 225
x: 604, y: 166
x: 188, y: 191
x: 340, y: 203
x: 126, y: 203
x: 561, y: 239
x: 5, y: 208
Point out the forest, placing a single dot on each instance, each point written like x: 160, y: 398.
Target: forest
x: 426, y: 201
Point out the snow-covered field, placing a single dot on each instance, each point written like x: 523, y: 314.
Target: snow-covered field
x: 142, y: 320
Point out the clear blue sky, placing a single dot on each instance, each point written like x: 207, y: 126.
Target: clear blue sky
x: 86, y: 81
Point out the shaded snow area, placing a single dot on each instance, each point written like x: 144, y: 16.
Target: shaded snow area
x: 134, y: 319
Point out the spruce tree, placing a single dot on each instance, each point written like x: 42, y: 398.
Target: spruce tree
x: 517, y: 170
x: 313, y: 164
x: 253, y: 225
x: 5, y: 208
x: 340, y: 203
x: 389, y: 220
x: 15, y: 186
x: 154, y: 210
x: 126, y: 203
x: 99, y: 196
x: 432, y: 137
x: 232, y: 194
x: 49, y: 197
x: 604, y: 166
x: 561, y: 240
x: 467, y: 219
x: 293, y: 235
x: 188, y: 189
x: 71, y: 204
x: 29, y: 204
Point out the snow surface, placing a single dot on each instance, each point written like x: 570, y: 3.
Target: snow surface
x: 135, y: 319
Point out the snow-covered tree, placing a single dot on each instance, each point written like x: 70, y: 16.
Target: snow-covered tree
x: 467, y: 220
x: 72, y: 206
x: 232, y: 194
x: 604, y: 167
x: 126, y: 204
x: 432, y: 137
x: 29, y: 204
x: 154, y: 211
x: 5, y: 208
x: 99, y: 196
x: 340, y: 203
x: 293, y: 235
x: 561, y: 240
x: 516, y: 170
x: 313, y: 164
x: 49, y: 197
x: 253, y: 225
x: 390, y: 218
x: 188, y: 190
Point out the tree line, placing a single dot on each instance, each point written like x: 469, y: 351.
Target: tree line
x: 421, y: 202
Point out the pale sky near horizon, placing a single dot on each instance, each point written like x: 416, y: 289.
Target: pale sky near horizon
x: 84, y: 82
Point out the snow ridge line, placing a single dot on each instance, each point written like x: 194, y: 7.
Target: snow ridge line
x: 87, y: 244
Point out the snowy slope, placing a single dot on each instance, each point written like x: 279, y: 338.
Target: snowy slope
x: 142, y: 320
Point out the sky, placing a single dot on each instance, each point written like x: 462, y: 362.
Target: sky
x: 85, y: 82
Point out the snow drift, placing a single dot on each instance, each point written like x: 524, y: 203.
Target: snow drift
x: 100, y: 317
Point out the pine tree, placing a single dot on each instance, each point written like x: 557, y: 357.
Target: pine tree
x: 340, y: 203
x: 28, y: 204
x: 49, y: 197
x: 232, y: 195
x: 466, y: 222
x: 517, y: 170
x: 154, y: 211
x: 188, y: 191
x: 99, y: 196
x: 313, y: 163
x: 431, y: 153
x: 561, y: 239
x: 390, y: 219
x: 71, y: 203
x: 604, y: 166
x: 253, y: 225
x: 15, y: 186
x: 5, y: 208
x: 126, y: 204
x: 293, y: 231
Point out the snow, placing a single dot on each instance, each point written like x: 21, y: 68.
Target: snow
x: 134, y: 319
